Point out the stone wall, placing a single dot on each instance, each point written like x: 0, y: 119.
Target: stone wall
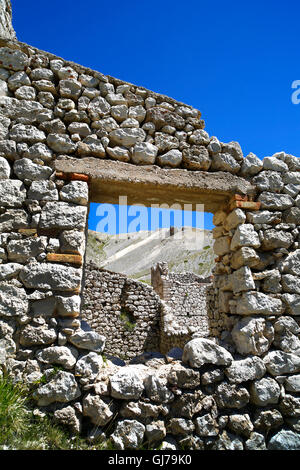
x: 6, y: 29
x: 125, y: 311
x: 51, y: 109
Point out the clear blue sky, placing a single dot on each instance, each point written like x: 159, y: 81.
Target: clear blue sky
x: 233, y: 60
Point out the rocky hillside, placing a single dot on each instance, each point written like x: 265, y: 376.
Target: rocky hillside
x: 135, y: 253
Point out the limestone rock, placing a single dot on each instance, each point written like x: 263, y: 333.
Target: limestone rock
x: 4, y: 169
x: 157, y: 391
x: 59, y: 355
x: 129, y: 434
x: 200, y: 351
x: 37, y: 335
x: 280, y: 362
x: 245, y: 235
x: 61, y: 143
x: 68, y: 416
x: 89, y: 366
x: 127, y: 137
x: 49, y: 276
x: 75, y: 192
x: 63, y: 216
x: 144, y: 153
x: 251, y: 165
x: 88, y: 340
x: 277, y: 202
x: 13, y: 301
x: 97, y: 409
x: 243, y: 370
x: 256, y: 441
x: 285, y: 440
x: 231, y: 396
x: 13, y: 59
x: 26, y: 169
x: 12, y: 193
x: 264, y: 392
x: 258, y: 303
x: 252, y: 336
x: 62, y: 388
x: 206, y: 426
x: 170, y: 159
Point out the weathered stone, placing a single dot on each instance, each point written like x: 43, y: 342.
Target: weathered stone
x: 263, y: 217
x: 26, y: 133
x: 280, y: 362
x: 264, y: 392
x: 155, y: 432
x: 4, y: 169
x: 62, y: 388
x: 222, y: 246
x: 291, y: 263
x: 245, y: 235
x: 26, y: 169
x: 15, y: 109
x: 13, y: 301
x: 89, y: 366
x: 97, y: 409
x: 184, y: 377
x: 196, y: 158
x: 290, y: 283
x: 89, y: 340
x: 126, y: 384
x: 200, y: 351
x: 292, y: 302
x: 274, y: 164
x: 61, y: 143
x: 37, y: 335
x: 206, y: 426
x: 231, y: 396
x: 273, y: 239
x: 72, y: 241
x: 251, y: 165
x: 59, y: 355
x: 277, y: 202
x: 129, y: 434
x: 170, y: 159
x: 180, y: 426
x: 63, y: 216
x: 43, y: 191
x: 49, y: 276
x: 12, y: 193
x: 240, y: 424
x: 119, y: 153
x: 292, y: 384
x: 40, y: 151
x: 286, y: 335
x: 227, y: 441
x: 245, y: 256
x: 13, y: 219
x: 9, y: 271
x: 243, y: 370
x: 162, y: 117
x: 13, y: 59
x: 224, y: 162
x: 92, y: 147
x: 265, y: 420
x: 269, y: 181
x: 68, y: 416
x: 285, y: 440
x: 144, y: 153
x: 157, y: 391
x: 127, y: 137
x: 242, y: 280
x: 8, y: 149
x: 98, y: 108
x: 251, y: 303
x: 75, y: 192
x: 68, y: 306
x: 21, y: 250
x: 256, y: 441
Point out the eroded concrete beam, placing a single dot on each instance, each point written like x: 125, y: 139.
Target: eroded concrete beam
x: 153, y: 185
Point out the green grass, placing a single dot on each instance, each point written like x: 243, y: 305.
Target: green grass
x: 21, y: 429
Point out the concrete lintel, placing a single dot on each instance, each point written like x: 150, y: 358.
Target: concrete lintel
x: 154, y: 185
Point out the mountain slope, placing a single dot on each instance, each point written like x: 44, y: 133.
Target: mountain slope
x: 133, y: 254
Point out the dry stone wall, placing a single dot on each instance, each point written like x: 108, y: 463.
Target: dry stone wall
x: 125, y: 311
x: 237, y: 392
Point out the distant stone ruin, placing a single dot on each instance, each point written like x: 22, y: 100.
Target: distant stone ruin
x: 70, y: 136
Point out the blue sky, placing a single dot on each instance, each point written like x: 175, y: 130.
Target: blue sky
x: 235, y: 61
